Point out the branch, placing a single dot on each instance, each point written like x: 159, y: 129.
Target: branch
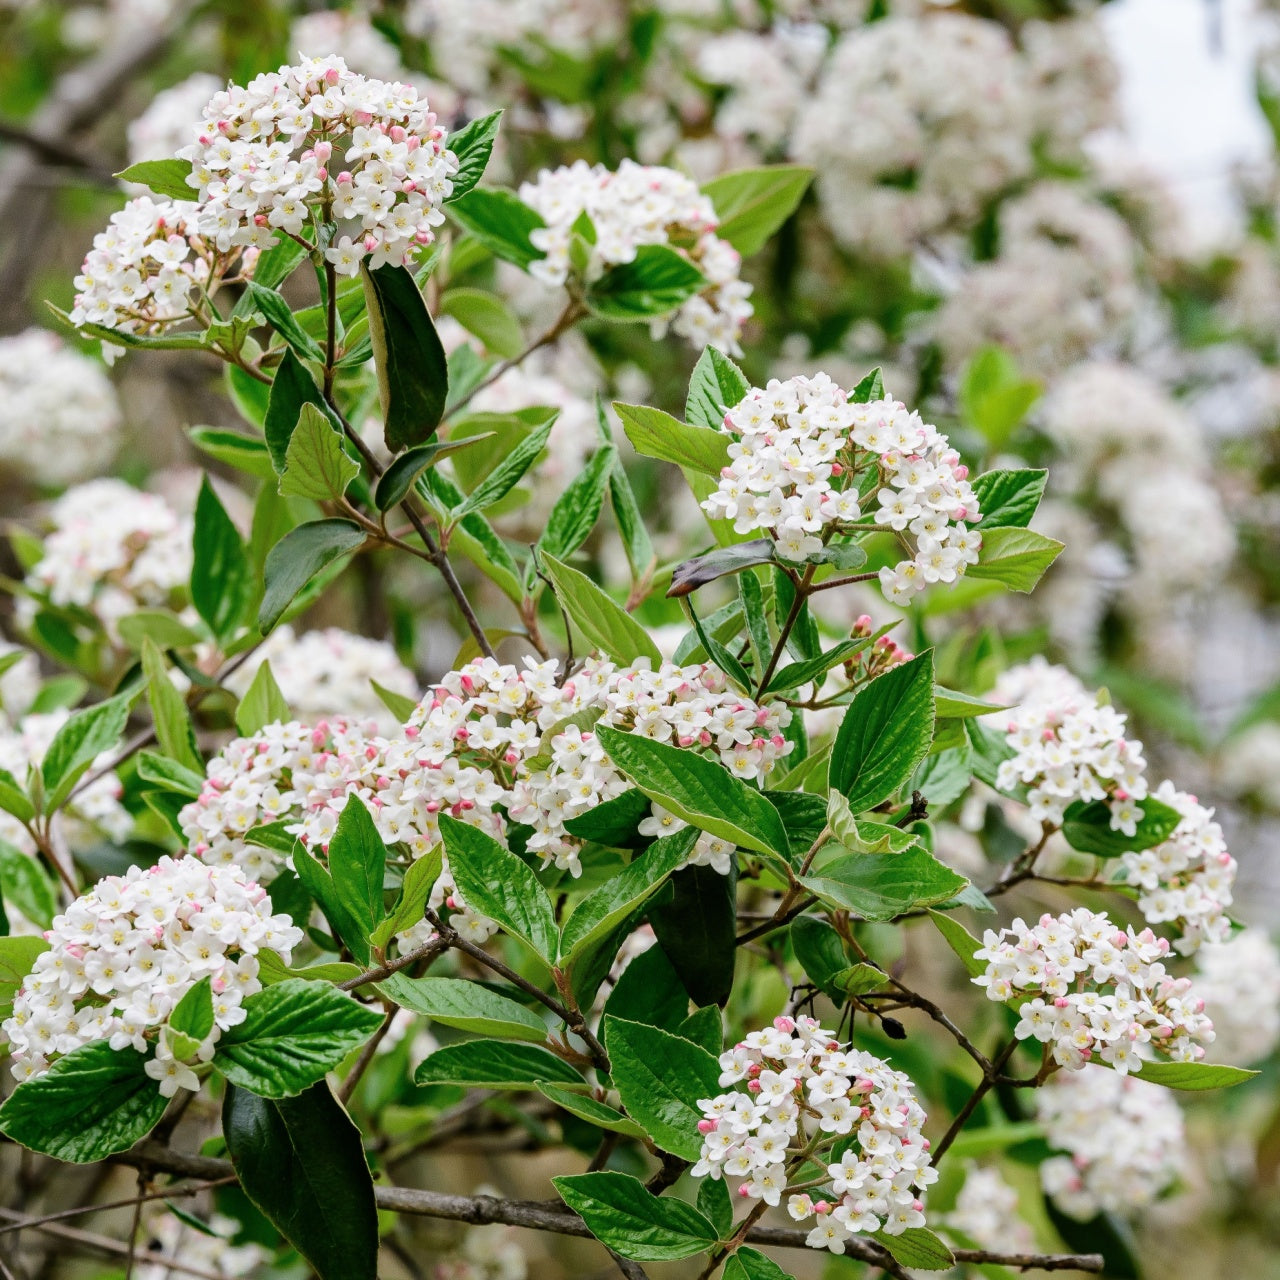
x: 548, y: 1215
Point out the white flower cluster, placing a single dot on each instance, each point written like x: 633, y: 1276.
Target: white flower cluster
x: 1073, y: 79
x: 19, y: 682
x: 476, y: 745
x: 1062, y: 286
x: 347, y: 32
x: 151, y: 267
x: 124, y: 954
x: 490, y: 1252
x: 166, y: 123
x: 318, y: 140
x: 804, y: 1090
x: 112, y: 551
x: 61, y: 419
x: 1239, y: 980
x: 642, y: 205
x: 1124, y: 1141
x: 93, y: 813
x: 801, y: 452
x: 330, y: 672
x: 1091, y: 990
x: 1068, y: 745
x: 986, y: 1213
x: 915, y: 125
x: 1188, y: 878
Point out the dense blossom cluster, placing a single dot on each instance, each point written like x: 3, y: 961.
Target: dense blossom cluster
x: 1189, y: 877
x: 329, y: 672
x: 1068, y: 745
x: 209, y: 1246
x: 1239, y: 980
x: 93, y: 812
x: 478, y: 744
x: 803, y: 1089
x: 61, y: 419
x: 318, y: 140
x: 112, y: 551
x: 1123, y: 1139
x: 641, y: 205
x: 490, y: 1252
x: 19, y: 681
x: 1062, y: 286
x: 1091, y: 990
x: 124, y: 954
x: 916, y: 123
x: 801, y: 452
x: 152, y: 267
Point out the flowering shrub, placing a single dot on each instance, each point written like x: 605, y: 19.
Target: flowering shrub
x: 589, y: 716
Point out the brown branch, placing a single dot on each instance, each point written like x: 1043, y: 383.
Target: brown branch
x: 548, y: 1215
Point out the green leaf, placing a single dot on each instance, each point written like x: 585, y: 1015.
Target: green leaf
x: 660, y: 1077
x: 641, y: 557
x: 506, y: 475
x: 650, y: 990
x: 316, y: 465
x: 13, y: 798
x: 171, y: 776
x: 606, y: 626
x: 578, y: 508
x: 419, y: 880
x: 704, y: 1027
x: 717, y: 385
x: 193, y: 1014
x: 1008, y: 499
x: 1015, y: 557
x: 158, y: 625
x: 357, y: 865
x: 718, y: 653
x: 1087, y: 827
x: 884, y: 734
x: 695, y: 930
x: 413, y: 377
x: 244, y: 453
x: 17, y: 955
x: 944, y: 776
x: 472, y: 145
x: 81, y: 739
x: 658, y: 435
x: 994, y: 397
x: 501, y: 222
x: 753, y: 203
x: 221, y: 578
x: 262, y: 704
x: 858, y: 979
x: 89, y: 1105
x: 689, y: 575
x: 301, y: 1162
x: 400, y: 705
x: 293, y: 1033
x: 284, y: 322
x: 487, y: 317
x: 275, y: 266
x: 949, y: 704
x: 599, y: 913
x: 587, y: 1108
x: 654, y: 283
x: 400, y: 477
x: 169, y: 711
x: 961, y: 941
x: 917, y: 1247
x: 820, y: 952
x: 492, y: 1064
x: 699, y: 790
x: 797, y: 674
x: 25, y: 885
x: 497, y: 884
x: 626, y: 1217
x: 298, y: 557
x: 319, y: 884
x: 887, y: 885
x: 164, y: 177
x: 1194, y: 1076
x: 748, y: 1264
x: 869, y: 389
x: 716, y: 1205
x: 291, y: 389
x: 465, y: 1005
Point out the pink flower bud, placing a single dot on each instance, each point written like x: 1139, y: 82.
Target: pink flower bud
x: 707, y: 1126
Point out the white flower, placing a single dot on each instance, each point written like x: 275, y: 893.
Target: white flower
x: 1239, y: 980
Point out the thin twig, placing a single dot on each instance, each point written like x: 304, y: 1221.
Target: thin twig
x: 348, y: 1086
x: 169, y: 1193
